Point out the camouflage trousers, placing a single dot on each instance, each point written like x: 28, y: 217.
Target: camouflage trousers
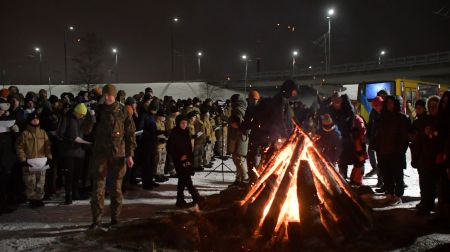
x: 241, y: 167
x: 160, y: 160
x: 101, y: 167
x: 208, y: 153
x: 198, y: 155
x: 34, y: 184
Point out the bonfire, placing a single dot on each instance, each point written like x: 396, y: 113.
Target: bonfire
x: 299, y: 192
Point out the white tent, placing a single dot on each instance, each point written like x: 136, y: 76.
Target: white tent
x: 177, y: 90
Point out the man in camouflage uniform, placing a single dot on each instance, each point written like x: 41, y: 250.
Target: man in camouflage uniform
x: 114, y: 145
x: 207, y: 153
x: 199, y: 143
x: 160, y: 153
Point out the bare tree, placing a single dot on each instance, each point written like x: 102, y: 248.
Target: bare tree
x: 89, y: 62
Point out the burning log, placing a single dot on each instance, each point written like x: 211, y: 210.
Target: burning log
x: 298, y: 193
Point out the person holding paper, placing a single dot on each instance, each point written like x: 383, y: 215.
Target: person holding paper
x: 31, y: 144
x: 8, y: 157
x: 74, y: 125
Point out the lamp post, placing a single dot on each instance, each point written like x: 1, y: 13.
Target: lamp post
x: 38, y: 50
x: 382, y: 53
x: 199, y: 61
x: 116, y: 52
x: 294, y: 55
x: 245, y: 59
x: 70, y: 28
x: 329, y: 16
x: 172, y: 47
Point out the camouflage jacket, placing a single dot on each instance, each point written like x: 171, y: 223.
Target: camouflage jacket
x: 33, y: 143
x: 114, y: 132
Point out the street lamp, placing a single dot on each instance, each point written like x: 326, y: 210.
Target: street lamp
x: 172, y: 47
x: 38, y: 50
x: 382, y: 53
x: 199, y: 58
x: 294, y: 55
x: 70, y: 28
x: 116, y: 52
x: 330, y: 14
x: 245, y: 59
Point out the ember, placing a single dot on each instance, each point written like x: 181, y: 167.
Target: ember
x: 297, y: 189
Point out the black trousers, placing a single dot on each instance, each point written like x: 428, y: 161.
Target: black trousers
x: 391, y: 168
x: 72, y: 176
x: 184, y: 181
x: 148, y: 166
x: 428, y: 179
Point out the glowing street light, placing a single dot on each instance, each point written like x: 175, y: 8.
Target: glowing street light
x: 330, y: 14
x: 382, y: 53
x: 116, y: 52
x: 38, y: 50
x: 245, y: 59
x: 70, y: 28
x: 294, y: 55
x: 199, y: 58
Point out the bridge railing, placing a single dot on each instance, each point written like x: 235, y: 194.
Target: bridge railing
x: 385, y: 64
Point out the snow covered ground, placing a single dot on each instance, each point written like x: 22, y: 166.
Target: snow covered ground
x: 30, y: 229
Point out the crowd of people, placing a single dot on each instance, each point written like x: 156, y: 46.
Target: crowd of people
x: 102, y: 142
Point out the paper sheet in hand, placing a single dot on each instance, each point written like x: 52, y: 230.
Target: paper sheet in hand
x: 137, y: 133
x: 6, y: 125
x: 81, y: 141
x: 38, y: 164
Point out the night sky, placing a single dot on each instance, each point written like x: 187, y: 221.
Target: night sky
x: 222, y: 30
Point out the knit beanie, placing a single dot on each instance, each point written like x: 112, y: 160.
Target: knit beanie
x: 81, y: 109
x: 109, y: 89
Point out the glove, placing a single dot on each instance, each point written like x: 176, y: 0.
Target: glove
x: 25, y: 164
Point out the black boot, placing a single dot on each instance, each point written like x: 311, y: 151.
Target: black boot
x: 181, y: 203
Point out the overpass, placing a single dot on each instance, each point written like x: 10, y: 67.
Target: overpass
x: 434, y: 67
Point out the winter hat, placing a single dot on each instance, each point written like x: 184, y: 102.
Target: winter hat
x: 109, y: 89
x: 81, y: 109
x: 204, y: 109
x: 173, y: 109
x: 53, y: 99
x: 180, y: 118
x: 191, y: 114
x: 148, y: 90
x: 4, y: 105
x: 377, y: 101
x: 420, y: 102
x: 146, y: 98
x: 161, y: 113
x: 287, y: 87
x: 196, y: 100
x: 327, y: 120
x: 154, y: 105
x: 254, y: 94
x: 32, y: 116
x: 4, y: 93
x: 130, y: 101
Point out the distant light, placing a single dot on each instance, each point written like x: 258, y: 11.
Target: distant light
x: 294, y: 53
x: 330, y: 12
x: 244, y: 57
x: 383, y: 52
x: 114, y: 50
x: 78, y: 40
x: 71, y: 28
x: 37, y: 49
x: 175, y: 19
x: 199, y: 54
x: 310, y: 67
x: 278, y: 24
